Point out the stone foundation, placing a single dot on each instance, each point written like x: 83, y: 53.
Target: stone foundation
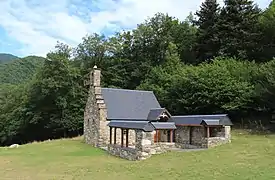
x: 186, y: 146
x: 162, y: 147
x: 126, y: 152
x: 215, y: 141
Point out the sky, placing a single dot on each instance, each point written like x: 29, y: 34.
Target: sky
x: 33, y: 27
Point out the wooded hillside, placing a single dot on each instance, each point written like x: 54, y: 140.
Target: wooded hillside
x: 219, y: 60
x: 20, y: 70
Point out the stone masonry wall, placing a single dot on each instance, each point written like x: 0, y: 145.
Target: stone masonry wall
x: 198, y: 135
x: 198, y: 139
x: 144, y: 140
x: 182, y: 134
x: 124, y: 152
x: 91, y: 119
x: 223, y: 137
x: 145, y: 144
x: 141, y: 151
x: 162, y: 147
x: 216, y: 141
x: 227, y: 132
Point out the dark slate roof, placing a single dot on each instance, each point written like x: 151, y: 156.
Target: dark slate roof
x: 155, y: 113
x: 197, y: 119
x: 164, y: 125
x: 129, y: 104
x: 143, y: 125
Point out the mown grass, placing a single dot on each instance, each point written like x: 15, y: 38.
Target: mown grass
x: 247, y: 157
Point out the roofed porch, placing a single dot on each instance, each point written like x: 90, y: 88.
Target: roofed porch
x: 145, y: 142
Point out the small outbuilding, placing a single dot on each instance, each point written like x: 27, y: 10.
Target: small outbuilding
x: 133, y: 125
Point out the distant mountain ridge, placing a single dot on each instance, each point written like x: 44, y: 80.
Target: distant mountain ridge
x: 4, y: 57
x: 20, y: 70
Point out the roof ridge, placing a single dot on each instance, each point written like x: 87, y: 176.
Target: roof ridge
x: 201, y: 115
x: 128, y: 90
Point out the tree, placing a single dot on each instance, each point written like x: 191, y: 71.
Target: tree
x: 207, y: 42
x: 237, y: 29
x: 160, y: 77
x: 56, y: 99
x: 217, y: 87
x: 265, y: 87
x: 184, y: 36
x: 267, y: 27
x: 13, y: 99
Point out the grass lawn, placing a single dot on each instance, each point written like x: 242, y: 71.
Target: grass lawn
x: 247, y: 157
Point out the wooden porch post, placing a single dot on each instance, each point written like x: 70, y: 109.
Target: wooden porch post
x: 122, y: 138
x: 127, y: 136
x: 207, y: 132
x: 157, y: 136
x: 111, y: 135
x: 115, y: 136
x: 171, y: 135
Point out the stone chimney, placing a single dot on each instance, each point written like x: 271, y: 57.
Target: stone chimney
x: 103, y: 128
x: 95, y: 77
x: 95, y: 124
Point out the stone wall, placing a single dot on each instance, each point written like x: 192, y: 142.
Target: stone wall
x: 182, y: 139
x: 91, y: 119
x: 198, y: 139
x: 124, y: 152
x: 144, y: 140
x: 198, y: 134
x: 223, y: 137
x: 216, y: 141
x: 162, y: 147
x: 227, y: 132
x: 182, y: 135
x: 142, y: 149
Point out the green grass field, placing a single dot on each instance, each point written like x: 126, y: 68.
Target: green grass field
x: 247, y: 157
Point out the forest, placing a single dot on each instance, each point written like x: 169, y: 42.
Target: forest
x: 220, y: 59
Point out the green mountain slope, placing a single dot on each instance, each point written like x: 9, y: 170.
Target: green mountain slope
x: 4, y: 58
x: 21, y: 70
